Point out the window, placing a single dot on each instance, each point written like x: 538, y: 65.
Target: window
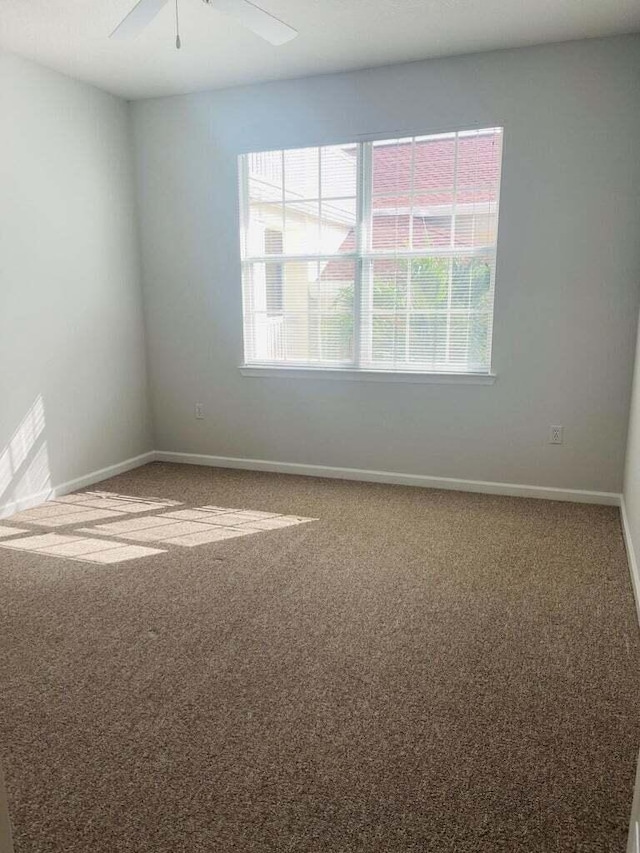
x: 372, y: 256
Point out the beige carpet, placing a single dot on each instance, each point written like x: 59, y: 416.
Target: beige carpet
x: 414, y: 670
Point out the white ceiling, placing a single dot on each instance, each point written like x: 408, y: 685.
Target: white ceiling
x: 335, y: 35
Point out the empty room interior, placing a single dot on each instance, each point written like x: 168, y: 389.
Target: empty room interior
x: 319, y: 432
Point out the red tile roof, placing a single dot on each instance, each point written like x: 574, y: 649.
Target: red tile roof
x: 434, y: 172
x: 435, y: 182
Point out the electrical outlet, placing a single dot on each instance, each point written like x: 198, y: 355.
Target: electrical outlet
x: 199, y: 411
x: 556, y: 435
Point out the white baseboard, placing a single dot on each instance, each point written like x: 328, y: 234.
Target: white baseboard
x: 422, y: 480
x: 360, y: 474
x: 633, y: 841
x: 72, y: 485
x: 631, y: 555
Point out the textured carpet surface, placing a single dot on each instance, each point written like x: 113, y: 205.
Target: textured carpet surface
x: 414, y: 671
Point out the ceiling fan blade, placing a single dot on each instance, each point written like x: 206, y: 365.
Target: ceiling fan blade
x: 257, y: 20
x: 142, y: 14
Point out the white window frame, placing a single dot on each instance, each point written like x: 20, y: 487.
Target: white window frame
x: 352, y: 370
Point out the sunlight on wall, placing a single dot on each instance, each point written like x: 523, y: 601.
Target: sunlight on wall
x: 24, y: 461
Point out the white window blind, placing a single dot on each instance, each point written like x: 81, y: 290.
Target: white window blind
x: 375, y: 255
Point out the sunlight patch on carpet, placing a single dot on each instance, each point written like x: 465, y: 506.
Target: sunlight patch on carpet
x: 89, y: 506
x: 186, y: 528
x: 80, y: 548
x: 197, y: 526
x: 10, y: 531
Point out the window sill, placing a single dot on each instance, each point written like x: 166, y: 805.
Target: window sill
x: 359, y: 375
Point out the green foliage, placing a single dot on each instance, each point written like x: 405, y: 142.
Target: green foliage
x: 421, y: 287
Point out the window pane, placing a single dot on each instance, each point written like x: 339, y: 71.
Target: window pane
x: 430, y: 283
x: 337, y: 226
x: 315, y: 207
x: 389, y: 337
x: 390, y: 285
x: 432, y: 313
x: 265, y: 175
x: 302, y: 228
x: 427, y: 339
x: 313, y: 322
x: 435, y: 170
x: 392, y: 172
x: 478, y: 171
x: 471, y: 283
x: 339, y: 167
x: 302, y: 173
x: 430, y: 232
x: 390, y: 229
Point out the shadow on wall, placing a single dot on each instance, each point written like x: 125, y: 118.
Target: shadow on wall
x: 24, y: 461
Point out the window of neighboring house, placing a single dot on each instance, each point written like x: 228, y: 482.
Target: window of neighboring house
x: 273, y: 245
x: 372, y: 256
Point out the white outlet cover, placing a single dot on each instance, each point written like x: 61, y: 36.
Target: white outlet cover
x: 556, y: 434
